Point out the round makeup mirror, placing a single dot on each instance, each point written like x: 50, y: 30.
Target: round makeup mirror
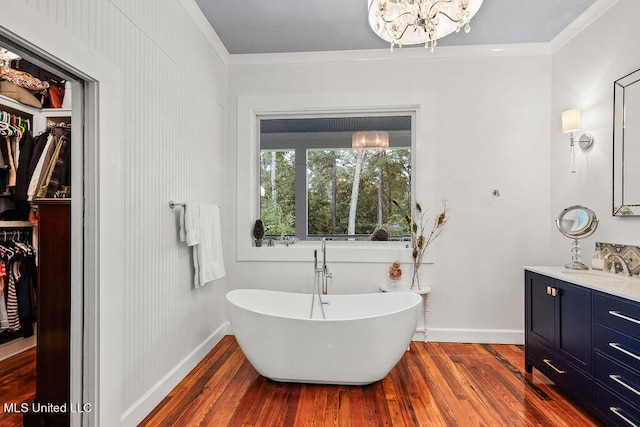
x: 577, y: 222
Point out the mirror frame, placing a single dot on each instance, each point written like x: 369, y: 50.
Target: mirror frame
x: 588, y: 230
x: 621, y: 206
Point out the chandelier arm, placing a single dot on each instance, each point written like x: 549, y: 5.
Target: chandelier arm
x: 406, y: 27
x: 392, y: 20
x: 450, y: 18
x: 436, y: 3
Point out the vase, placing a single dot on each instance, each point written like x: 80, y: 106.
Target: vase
x: 394, y: 283
x: 415, y: 278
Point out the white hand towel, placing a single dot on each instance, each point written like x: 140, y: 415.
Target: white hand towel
x: 202, y: 231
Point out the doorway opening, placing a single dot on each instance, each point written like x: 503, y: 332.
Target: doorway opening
x: 50, y: 218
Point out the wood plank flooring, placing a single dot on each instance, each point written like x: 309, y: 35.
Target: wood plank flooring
x: 17, y: 384
x: 435, y: 384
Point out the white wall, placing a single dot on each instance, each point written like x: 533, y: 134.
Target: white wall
x: 162, y: 109
x: 583, y: 72
x: 483, y: 124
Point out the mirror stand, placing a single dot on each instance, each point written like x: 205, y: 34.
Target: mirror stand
x: 576, y: 260
x: 576, y: 222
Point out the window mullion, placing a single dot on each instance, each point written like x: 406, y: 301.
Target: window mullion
x: 301, y: 192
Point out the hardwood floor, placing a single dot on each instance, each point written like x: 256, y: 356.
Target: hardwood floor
x: 17, y: 385
x: 435, y: 384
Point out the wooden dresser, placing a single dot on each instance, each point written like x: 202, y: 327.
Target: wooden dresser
x: 54, y: 314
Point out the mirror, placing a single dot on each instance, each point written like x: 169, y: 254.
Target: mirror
x: 577, y: 222
x: 626, y: 145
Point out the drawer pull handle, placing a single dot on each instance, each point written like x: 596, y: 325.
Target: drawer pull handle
x: 617, y: 379
x: 548, y: 362
x: 618, y: 412
x: 627, y: 352
x: 622, y: 316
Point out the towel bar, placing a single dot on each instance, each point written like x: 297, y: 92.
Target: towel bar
x: 173, y: 204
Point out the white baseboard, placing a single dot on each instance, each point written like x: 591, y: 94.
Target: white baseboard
x: 147, y: 403
x: 16, y: 346
x: 480, y: 336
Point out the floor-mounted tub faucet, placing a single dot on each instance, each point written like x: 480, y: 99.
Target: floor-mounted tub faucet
x: 325, y: 270
x: 322, y: 274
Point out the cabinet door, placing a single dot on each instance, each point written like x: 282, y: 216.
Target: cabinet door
x: 573, y: 328
x: 541, y: 314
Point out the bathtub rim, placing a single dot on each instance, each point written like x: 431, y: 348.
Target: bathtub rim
x: 417, y: 298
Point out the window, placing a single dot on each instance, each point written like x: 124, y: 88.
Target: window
x: 314, y: 184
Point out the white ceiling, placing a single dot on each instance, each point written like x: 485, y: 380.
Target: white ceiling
x: 272, y: 26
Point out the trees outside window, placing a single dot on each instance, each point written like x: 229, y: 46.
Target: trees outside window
x: 315, y: 185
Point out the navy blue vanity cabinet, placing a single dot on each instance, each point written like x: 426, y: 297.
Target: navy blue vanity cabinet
x: 558, y: 339
x: 616, y: 335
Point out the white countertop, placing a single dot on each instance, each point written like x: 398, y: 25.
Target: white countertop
x: 614, y: 284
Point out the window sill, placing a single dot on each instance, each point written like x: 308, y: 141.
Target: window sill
x: 367, y: 252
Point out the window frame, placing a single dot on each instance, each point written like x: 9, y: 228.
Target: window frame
x: 247, y: 200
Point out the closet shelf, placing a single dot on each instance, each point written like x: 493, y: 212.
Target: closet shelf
x: 11, y: 224
x: 12, y: 103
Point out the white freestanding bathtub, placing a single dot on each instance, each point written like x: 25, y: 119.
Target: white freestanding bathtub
x: 362, y: 338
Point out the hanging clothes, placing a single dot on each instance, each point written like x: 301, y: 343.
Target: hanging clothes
x: 12, y: 299
x: 58, y: 173
x: 4, y: 316
x: 12, y: 166
x: 40, y: 164
x: 18, y: 284
x: 45, y: 181
x: 27, y: 144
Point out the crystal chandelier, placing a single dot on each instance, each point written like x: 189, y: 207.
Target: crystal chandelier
x: 408, y: 22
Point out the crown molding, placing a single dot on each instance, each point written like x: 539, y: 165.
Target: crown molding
x: 406, y: 53
x: 205, y: 28
x: 592, y: 13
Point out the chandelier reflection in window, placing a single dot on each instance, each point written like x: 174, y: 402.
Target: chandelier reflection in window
x: 409, y: 22
x: 376, y: 140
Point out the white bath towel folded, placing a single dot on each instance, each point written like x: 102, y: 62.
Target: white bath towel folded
x: 202, y: 231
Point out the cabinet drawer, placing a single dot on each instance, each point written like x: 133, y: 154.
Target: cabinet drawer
x: 562, y: 373
x: 618, y: 378
x: 617, y: 313
x: 617, y: 410
x: 619, y: 347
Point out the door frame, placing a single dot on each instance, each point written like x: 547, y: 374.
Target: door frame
x: 84, y: 226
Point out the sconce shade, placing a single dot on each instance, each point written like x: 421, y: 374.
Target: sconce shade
x: 371, y: 139
x: 571, y: 120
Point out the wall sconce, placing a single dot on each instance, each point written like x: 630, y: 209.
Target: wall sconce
x: 570, y: 124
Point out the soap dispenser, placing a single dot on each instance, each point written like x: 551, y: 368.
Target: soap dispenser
x: 598, y: 261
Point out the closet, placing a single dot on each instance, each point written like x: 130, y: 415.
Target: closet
x: 35, y: 227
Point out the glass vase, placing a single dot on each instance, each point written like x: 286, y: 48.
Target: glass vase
x: 415, y: 277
